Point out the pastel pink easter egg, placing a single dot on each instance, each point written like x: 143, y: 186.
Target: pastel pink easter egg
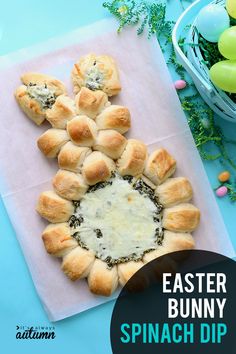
x: 180, y: 84
x: 221, y: 191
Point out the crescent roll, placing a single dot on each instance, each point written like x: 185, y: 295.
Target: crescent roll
x: 54, y: 208
x: 111, y: 143
x: 69, y: 185
x: 97, y: 167
x: 82, y: 131
x: 58, y: 240
x: 77, y: 263
x: 38, y: 94
x: 127, y: 270
x: 114, y: 117
x: 132, y: 161
x: 61, y: 112
x: 96, y: 72
x: 159, y: 166
x: 90, y: 103
x: 150, y: 256
x: 181, y: 218
x: 174, y: 191
x: 51, y: 142
x: 101, y: 279
x: 42, y: 79
x: 172, y: 242
x: 71, y: 157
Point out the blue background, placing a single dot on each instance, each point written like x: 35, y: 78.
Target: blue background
x: 24, y: 23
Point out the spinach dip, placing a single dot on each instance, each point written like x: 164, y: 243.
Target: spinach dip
x: 120, y: 220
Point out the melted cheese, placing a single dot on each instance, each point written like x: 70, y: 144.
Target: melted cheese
x: 94, y: 78
x: 125, y: 218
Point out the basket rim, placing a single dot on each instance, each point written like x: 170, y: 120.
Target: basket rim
x: 198, y: 72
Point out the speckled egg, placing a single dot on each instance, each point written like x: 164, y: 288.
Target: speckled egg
x: 224, y: 176
x: 221, y: 191
x: 180, y: 84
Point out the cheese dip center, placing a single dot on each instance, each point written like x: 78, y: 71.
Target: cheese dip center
x: 119, y: 221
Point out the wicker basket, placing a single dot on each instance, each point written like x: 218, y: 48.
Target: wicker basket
x: 217, y: 99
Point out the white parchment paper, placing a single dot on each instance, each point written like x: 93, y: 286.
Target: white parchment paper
x: 157, y: 119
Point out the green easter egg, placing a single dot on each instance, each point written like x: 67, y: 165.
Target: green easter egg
x: 227, y: 43
x: 223, y: 75
x: 231, y: 8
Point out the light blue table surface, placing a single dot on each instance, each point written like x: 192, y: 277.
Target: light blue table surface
x: 24, y: 23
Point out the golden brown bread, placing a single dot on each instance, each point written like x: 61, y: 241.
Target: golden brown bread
x: 96, y: 72
x: 61, y: 112
x: 77, y: 263
x: 114, y: 117
x: 150, y: 256
x: 29, y: 106
x: 42, y: 79
x: 82, y: 131
x: 54, y: 208
x: 127, y: 270
x: 160, y: 165
x: 181, y: 218
x: 91, y: 123
x: 58, y: 240
x: 71, y: 157
x: 111, y: 143
x: 174, y: 191
x: 172, y: 242
x: 90, y: 103
x: 133, y: 158
x: 97, y: 167
x: 51, y: 141
x: 69, y: 185
x: 101, y: 279
x: 37, y: 94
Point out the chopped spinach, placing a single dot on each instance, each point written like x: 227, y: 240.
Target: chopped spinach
x: 80, y: 243
x: 42, y: 94
x: 75, y: 221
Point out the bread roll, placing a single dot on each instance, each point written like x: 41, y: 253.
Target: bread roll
x: 82, y: 131
x: 174, y: 191
x: 51, y: 142
x: 114, y: 117
x: 127, y: 270
x: 159, y: 166
x: 133, y: 159
x: 38, y: 93
x: 54, y: 208
x: 111, y: 143
x: 61, y: 112
x: 69, y: 185
x: 181, y: 218
x: 30, y: 107
x: 57, y: 239
x: 97, y: 167
x: 77, y: 263
x: 96, y: 72
x: 150, y: 256
x: 90, y: 103
x: 101, y: 279
x: 71, y: 157
x: 172, y: 242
